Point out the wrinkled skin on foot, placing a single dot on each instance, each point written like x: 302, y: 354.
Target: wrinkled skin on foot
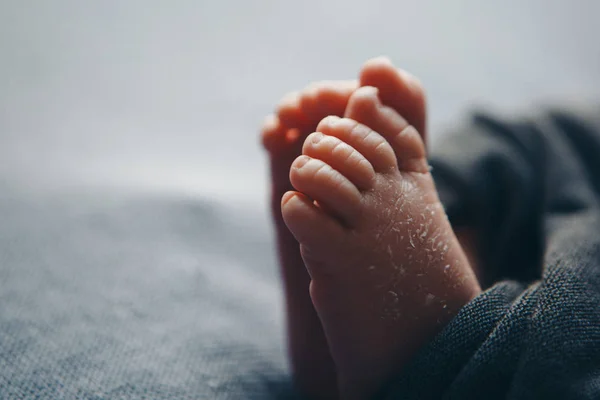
x: 285, y: 137
x: 387, y: 271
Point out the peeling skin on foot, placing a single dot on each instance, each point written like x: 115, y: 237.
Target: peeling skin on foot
x: 386, y: 268
x: 401, y: 270
x: 429, y: 298
x: 411, y: 240
x: 391, y: 311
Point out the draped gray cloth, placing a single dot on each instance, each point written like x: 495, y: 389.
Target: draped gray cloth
x: 107, y: 296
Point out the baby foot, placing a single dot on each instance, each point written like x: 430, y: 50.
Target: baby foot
x: 283, y: 135
x: 397, y: 89
x: 387, y: 272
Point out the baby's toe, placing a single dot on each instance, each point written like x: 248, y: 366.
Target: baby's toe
x: 304, y: 109
x: 397, y: 89
x: 309, y: 224
x: 365, y: 140
x: 332, y: 190
x: 342, y: 157
x: 272, y: 133
x: 365, y: 107
x: 289, y: 111
x: 324, y: 98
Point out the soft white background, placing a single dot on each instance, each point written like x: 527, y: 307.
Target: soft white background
x: 168, y: 95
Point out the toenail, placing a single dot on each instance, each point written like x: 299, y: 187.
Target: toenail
x: 367, y: 93
x: 385, y: 60
x: 287, y: 198
x: 370, y: 90
x: 331, y: 119
x: 381, y: 60
x: 269, y: 122
x: 406, y: 76
x: 316, y: 137
x: 301, y: 161
x: 337, y: 121
x: 345, y: 123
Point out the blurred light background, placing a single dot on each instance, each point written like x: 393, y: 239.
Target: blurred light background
x: 169, y: 95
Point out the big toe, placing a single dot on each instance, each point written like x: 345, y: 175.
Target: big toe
x: 397, y: 89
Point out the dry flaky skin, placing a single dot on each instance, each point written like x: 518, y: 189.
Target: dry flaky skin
x: 386, y: 270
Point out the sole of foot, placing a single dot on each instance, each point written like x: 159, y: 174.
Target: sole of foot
x: 387, y: 272
x: 283, y: 135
